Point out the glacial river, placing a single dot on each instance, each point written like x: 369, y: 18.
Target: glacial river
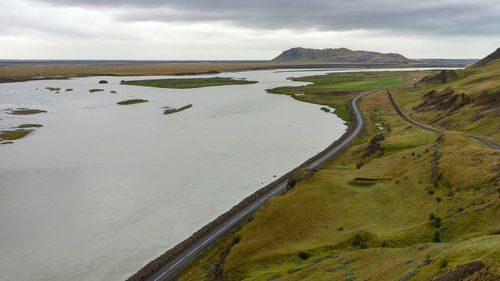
x: 102, y: 189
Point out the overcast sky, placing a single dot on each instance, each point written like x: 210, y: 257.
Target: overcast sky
x: 250, y: 29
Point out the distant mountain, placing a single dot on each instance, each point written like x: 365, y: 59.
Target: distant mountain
x: 340, y: 56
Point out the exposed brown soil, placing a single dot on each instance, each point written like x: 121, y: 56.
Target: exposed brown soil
x: 444, y: 76
x: 489, y: 101
x: 443, y: 100
x: 374, y: 145
x: 460, y: 272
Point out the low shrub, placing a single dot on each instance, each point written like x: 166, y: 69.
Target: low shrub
x: 360, y: 240
x: 443, y: 263
x: 304, y: 255
x: 437, y: 237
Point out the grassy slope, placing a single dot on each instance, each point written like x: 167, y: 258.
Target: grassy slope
x: 187, y: 83
x: 476, y: 109
x: 392, y: 214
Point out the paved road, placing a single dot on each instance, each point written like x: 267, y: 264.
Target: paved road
x: 404, y: 117
x: 190, y: 253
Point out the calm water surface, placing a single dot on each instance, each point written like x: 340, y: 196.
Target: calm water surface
x: 102, y: 189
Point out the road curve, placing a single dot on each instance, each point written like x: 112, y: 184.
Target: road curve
x: 404, y: 117
x: 192, y: 251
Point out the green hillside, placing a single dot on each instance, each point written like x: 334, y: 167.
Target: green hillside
x: 466, y: 100
x: 400, y: 203
x: 340, y: 55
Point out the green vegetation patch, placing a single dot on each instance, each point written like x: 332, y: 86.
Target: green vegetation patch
x: 187, y: 83
x: 14, y: 134
x: 69, y: 90
x: 96, y: 90
x: 174, y: 110
x: 53, y: 89
x: 336, y: 90
x: 29, y: 126
x: 26, y: 111
x: 131, y: 101
x: 361, y: 80
x: 370, y: 83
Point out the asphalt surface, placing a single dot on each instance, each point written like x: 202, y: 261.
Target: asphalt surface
x: 191, y: 252
x: 404, y: 117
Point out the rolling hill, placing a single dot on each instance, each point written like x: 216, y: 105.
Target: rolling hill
x: 340, y: 56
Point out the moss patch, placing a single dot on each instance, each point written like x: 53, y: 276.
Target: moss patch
x: 96, y: 90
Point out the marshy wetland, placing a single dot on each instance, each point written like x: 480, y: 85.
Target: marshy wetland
x: 114, y: 186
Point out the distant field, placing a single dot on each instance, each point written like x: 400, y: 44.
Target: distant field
x: 188, y: 83
x: 29, y: 71
x: 13, y: 72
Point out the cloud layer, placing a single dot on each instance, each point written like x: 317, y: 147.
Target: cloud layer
x: 445, y: 17
x: 235, y: 29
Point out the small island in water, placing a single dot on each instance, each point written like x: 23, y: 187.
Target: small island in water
x: 132, y: 101
x: 187, y: 83
x: 169, y: 110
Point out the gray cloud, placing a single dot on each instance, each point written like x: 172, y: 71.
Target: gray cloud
x: 445, y: 17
